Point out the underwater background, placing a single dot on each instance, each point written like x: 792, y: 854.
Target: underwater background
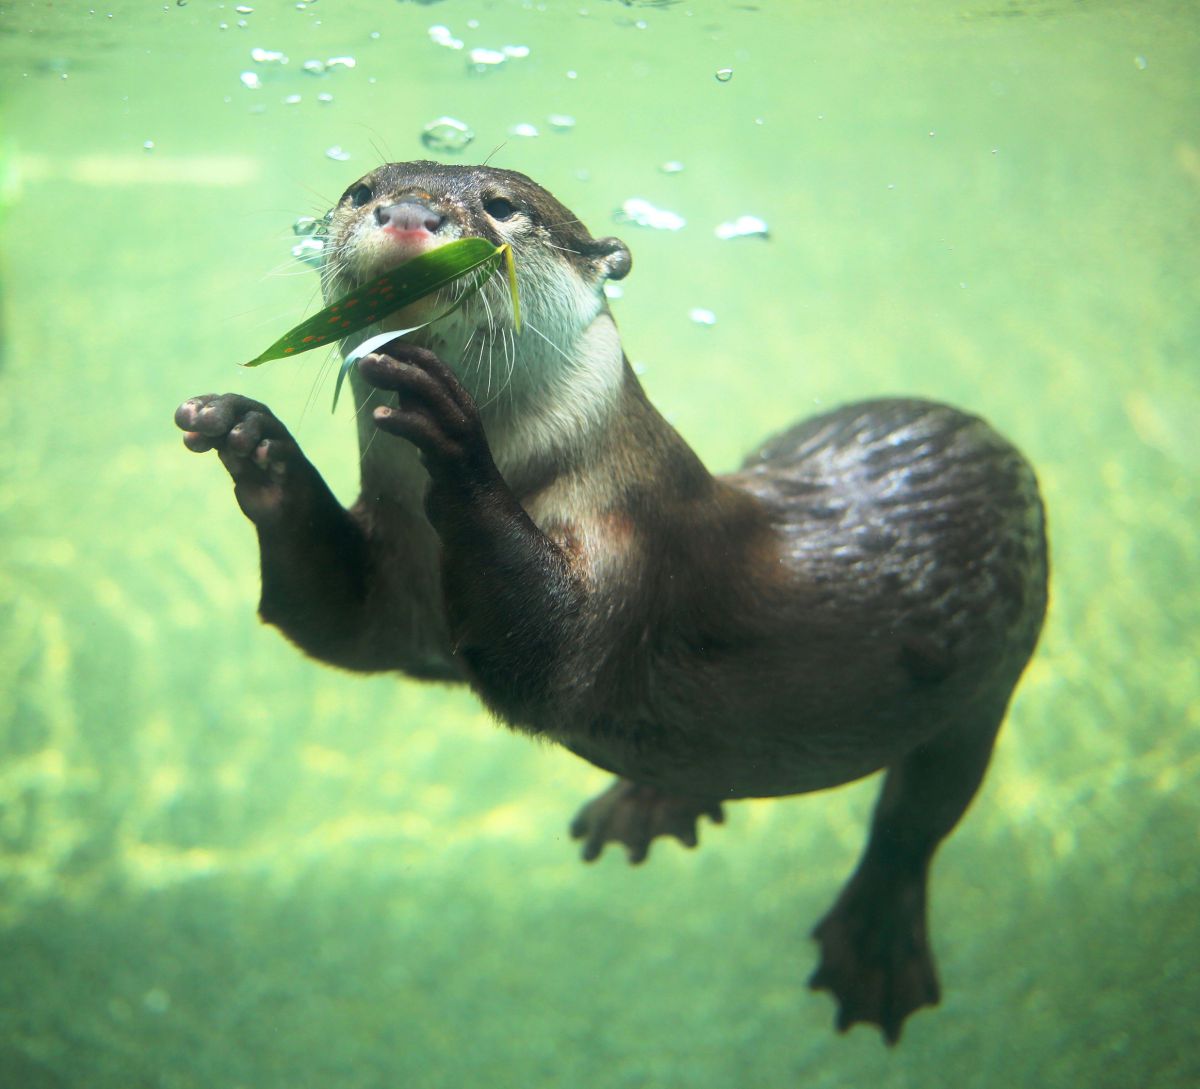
x: 223, y: 865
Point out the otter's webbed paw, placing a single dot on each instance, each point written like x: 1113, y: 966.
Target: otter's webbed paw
x: 254, y: 447
x: 633, y: 814
x: 875, y: 956
x: 433, y: 411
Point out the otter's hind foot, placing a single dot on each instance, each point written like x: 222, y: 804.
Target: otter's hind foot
x: 875, y: 956
x: 633, y: 814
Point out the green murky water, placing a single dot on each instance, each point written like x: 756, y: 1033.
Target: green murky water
x: 222, y: 865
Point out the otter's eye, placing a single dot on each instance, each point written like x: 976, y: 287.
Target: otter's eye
x: 499, y: 208
x: 359, y: 195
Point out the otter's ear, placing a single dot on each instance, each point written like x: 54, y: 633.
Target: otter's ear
x: 613, y: 257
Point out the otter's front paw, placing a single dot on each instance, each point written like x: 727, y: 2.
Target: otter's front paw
x: 632, y: 814
x: 432, y: 410
x: 252, y: 444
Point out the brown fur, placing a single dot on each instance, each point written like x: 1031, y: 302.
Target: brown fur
x: 863, y: 593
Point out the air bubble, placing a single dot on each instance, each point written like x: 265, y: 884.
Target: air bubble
x: 701, y: 316
x: 310, y: 250
x: 641, y: 213
x: 317, y: 67
x: 446, y: 134
x: 440, y: 35
x: 743, y: 227
x: 484, y: 60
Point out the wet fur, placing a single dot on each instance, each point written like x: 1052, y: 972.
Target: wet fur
x: 863, y: 593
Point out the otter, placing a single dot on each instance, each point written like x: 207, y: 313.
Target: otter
x: 862, y: 594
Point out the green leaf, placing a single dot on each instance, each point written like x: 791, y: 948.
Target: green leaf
x: 510, y: 266
x: 394, y: 290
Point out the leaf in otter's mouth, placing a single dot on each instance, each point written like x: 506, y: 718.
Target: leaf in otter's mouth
x: 396, y: 289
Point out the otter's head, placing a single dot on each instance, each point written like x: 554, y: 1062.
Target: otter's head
x: 401, y: 210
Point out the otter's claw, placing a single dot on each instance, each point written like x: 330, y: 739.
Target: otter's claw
x: 632, y: 814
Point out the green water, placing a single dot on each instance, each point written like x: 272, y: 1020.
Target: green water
x: 224, y: 866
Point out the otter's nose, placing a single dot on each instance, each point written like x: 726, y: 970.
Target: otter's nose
x: 409, y: 215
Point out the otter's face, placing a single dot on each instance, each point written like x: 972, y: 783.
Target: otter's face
x: 401, y: 210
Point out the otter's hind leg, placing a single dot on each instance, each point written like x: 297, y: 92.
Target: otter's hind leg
x: 633, y: 814
x: 875, y: 953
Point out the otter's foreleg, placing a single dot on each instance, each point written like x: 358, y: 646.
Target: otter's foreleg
x: 512, y: 596
x: 875, y: 953
x: 314, y: 555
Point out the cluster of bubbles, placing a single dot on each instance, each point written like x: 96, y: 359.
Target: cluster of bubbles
x: 480, y: 59
x: 312, y: 233
x: 315, y: 66
x: 446, y: 135
x: 640, y: 212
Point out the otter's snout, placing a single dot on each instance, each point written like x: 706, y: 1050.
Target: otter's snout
x: 409, y: 215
